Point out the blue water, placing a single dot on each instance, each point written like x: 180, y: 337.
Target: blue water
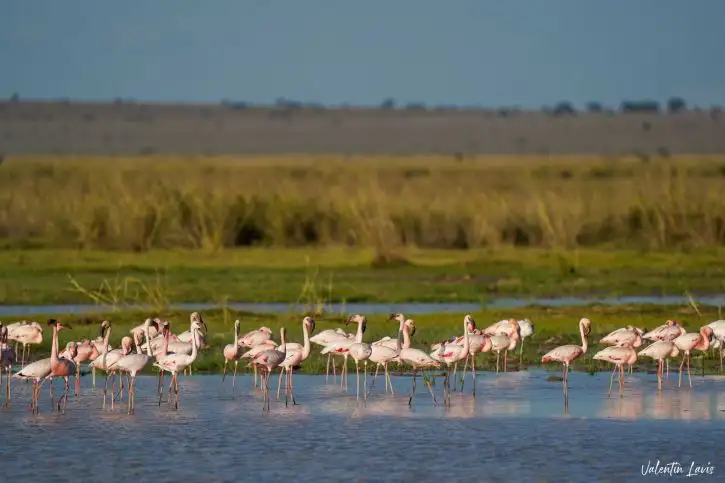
x: 515, y: 429
x: 412, y: 308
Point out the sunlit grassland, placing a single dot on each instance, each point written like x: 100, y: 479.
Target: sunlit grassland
x: 553, y: 327
x: 380, y: 202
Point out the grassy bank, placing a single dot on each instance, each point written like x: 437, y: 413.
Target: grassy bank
x: 553, y: 327
x: 383, y: 203
x: 322, y: 275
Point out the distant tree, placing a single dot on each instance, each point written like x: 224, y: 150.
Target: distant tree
x: 676, y: 104
x: 564, y: 108
x: 594, y: 107
x: 640, y: 106
x: 15, y: 97
x: 388, y: 103
x: 418, y: 106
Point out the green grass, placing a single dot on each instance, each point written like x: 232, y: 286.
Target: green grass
x: 312, y: 275
x: 553, y: 327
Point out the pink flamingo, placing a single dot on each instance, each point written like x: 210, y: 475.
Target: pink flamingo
x: 692, y: 341
x: 60, y: 367
x: 503, y: 342
x: 25, y: 333
x: 269, y: 360
x: 659, y: 351
x: 101, y: 346
x: 566, y: 354
x: 383, y: 354
x: 458, y: 341
x: 254, y: 338
x: 175, y: 362
x: 617, y: 356
x: 668, y: 331
x: 624, y: 338
x: 417, y: 359
x: 131, y: 364
x: 451, y: 353
x: 36, y: 372
x: 294, y: 355
x: 360, y: 351
x: 232, y: 352
x: 107, y: 360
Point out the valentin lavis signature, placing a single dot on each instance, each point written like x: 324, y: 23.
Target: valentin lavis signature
x: 674, y: 468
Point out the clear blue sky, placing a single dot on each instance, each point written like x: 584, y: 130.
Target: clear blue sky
x: 466, y: 52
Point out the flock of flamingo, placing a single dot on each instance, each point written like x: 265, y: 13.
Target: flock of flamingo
x: 171, y: 353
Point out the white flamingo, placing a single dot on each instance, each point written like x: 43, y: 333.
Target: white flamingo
x: 324, y: 338
x: 360, y: 351
x: 25, y: 333
x: 232, y: 352
x: 566, y: 354
x: 718, y: 332
x: 502, y: 342
x: 451, y: 353
x: 105, y: 361
x: 133, y: 363
x: 173, y: 363
x: 252, y: 339
x: 418, y: 360
x: 36, y: 371
x: 7, y: 359
x: 382, y: 354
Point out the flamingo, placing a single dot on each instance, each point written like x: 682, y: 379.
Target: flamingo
x: 452, y: 353
x: 178, y: 347
x: 294, y: 355
x: 107, y: 360
x: 503, y: 342
x: 382, y: 354
x: 566, y: 354
x: 692, y: 341
x: 323, y: 339
x: 668, y: 331
x: 629, y: 337
x: 659, y: 351
x: 36, y: 372
x: 270, y: 359
x: 360, y: 351
x: 718, y: 331
x: 618, y: 356
x: 101, y: 346
x: 340, y: 346
x: 231, y: 352
x: 470, y: 329
x: 417, y: 359
x: 133, y: 363
x: 139, y: 332
x: 7, y: 359
x: 173, y: 363
x: 59, y: 366
x: 254, y: 338
x: 25, y: 333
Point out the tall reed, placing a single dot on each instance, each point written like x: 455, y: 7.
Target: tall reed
x: 381, y: 202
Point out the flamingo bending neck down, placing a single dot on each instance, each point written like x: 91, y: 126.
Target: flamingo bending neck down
x: 692, y: 341
x: 175, y: 362
x: 619, y: 356
x: 383, y: 354
x: 269, y: 360
x: 452, y: 354
x: 659, y: 351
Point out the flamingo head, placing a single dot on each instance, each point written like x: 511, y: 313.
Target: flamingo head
x: 196, y: 317
x: 165, y: 328
x: 586, y: 325
x: 105, y: 325
x: 309, y: 322
x: 57, y: 324
x: 707, y: 332
x: 396, y: 316
x: 411, y: 326
x: 357, y: 319
x: 470, y: 323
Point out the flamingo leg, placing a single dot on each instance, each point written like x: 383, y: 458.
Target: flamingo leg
x: 365, y: 379
x: 78, y: 378
x: 327, y: 368
x: 689, y: 378
x: 412, y: 391
x: 659, y: 375
x: 611, y: 380
x: 455, y: 380
x: 667, y: 362
x: 505, y: 360
x: 234, y: 378
x: 679, y: 377
x: 105, y: 391
x: 176, y: 390
x: 473, y: 373
x: 498, y: 355
x: 465, y: 366
x: 357, y: 378
x: 255, y: 376
x: 292, y: 386
x: 621, y: 380
x: 722, y: 343
x: 432, y: 394
x: 279, y: 382
x: 93, y: 376
x: 521, y: 353
x: 130, y: 396
x: 390, y: 381
x: 224, y: 375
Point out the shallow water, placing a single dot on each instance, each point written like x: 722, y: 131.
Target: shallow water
x: 515, y: 429
x: 412, y: 308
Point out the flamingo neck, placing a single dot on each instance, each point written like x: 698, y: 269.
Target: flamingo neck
x: 466, y: 343
x: 106, y: 339
x: 398, y: 346
x: 359, y: 334
x: 585, y: 345
x: 54, y: 347
x: 194, y: 344
x: 148, y: 341
x: 406, y: 337
x: 283, y: 344
x: 306, y: 342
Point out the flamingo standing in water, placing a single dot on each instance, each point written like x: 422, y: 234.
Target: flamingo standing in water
x: 452, y: 353
x: 232, y: 352
x: 7, y: 359
x: 619, y: 356
x: 668, y: 331
x: 436, y: 348
x: 254, y: 338
x: 269, y: 360
x: 417, y: 359
x: 173, y: 363
x: 503, y: 342
x: 133, y: 363
x: 294, y: 355
x: 629, y: 337
x: 325, y: 338
x: 60, y: 367
x: 659, y: 351
x: 383, y: 354
x: 360, y: 351
x: 36, y: 371
x: 107, y: 360
x: 692, y: 341
x: 566, y: 354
